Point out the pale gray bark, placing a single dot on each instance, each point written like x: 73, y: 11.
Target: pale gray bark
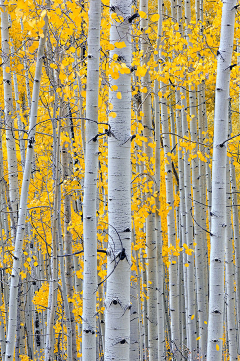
x: 117, y: 303
x: 64, y: 284
x: 23, y: 202
x: 150, y: 221
x: 90, y: 186
x: 9, y: 122
x: 173, y: 266
x: 218, y: 211
x: 230, y: 278
x: 68, y: 247
x: 198, y: 232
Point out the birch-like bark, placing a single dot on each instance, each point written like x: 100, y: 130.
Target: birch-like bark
x: 64, y: 283
x: 218, y: 211
x: 134, y: 315
x: 23, y: 201
x: 230, y: 275
x: 18, y: 110
x: 68, y: 247
x: 191, y: 310
x: 198, y: 232
x: 9, y: 121
x: 117, y: 336
x: 90, y: 186
x: 52, y: 296
x: 150, y: 221
x: 173, y: 285
x: 236, y: 242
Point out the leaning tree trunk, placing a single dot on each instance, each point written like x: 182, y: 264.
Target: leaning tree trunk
x: 12, y: 325
x: 218, y: 211
x: 90, y: 186
x: 117, y: 337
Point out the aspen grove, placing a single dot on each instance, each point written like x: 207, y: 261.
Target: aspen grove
x: 119, y: 180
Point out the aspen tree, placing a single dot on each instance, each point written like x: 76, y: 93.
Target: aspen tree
x: 229, y: 271
x: 52, y: 297
x: 198, y: 236
x: 160, y: 269
x: 218, y: 211
x: 134, y: 317
x: 150, y: 221
x: 90, y: 186
x: 23, y: 200
x: 117, y: 303
x: 173, y: 289
x: 9, y: 121
x: 64, y: 286
x: 236, y: 240
x: 68, y: 246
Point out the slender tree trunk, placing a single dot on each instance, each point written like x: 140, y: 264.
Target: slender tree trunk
x: 230, y: 275
x: 90, y: 186
x: 9, y: 122
x: 23, y: 202
x: 173, y: 261
x: 150, y: 221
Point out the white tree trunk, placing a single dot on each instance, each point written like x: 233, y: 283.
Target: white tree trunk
x: 150, y: 220
x: 23, y: 201
x: 230, y: 275
x: 173, y: 285
x: 218, y: 212
x: 117, y: 337
x: 9, y: 122
x: 90, y: 186
x: 198, y: 233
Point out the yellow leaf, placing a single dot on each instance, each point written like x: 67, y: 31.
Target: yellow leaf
x: 205, y: 322
x: 53, y: 66
x: 186, y: 265
x: 141, y: 71
x: 7, y: 69
x: 217, y: 347
x: 112, y: 114
x: 151, y: 145
x: 192, y: 317
x: 198, y: 338
x: 44, y: 12
x: 72, y: 49
x: 119, y: 95
x: 142, y: 14
x: 120, y: 44
x: 115, y: 75
x: 29, y: 259
x: 114, y: 87
x: 35, y: 264
x: 155, y: 17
